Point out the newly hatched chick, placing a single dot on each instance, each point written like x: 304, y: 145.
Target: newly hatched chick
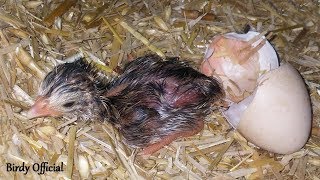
x: 69, y: 89
x: 152, y: 103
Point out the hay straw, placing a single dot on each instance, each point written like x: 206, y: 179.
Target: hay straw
x: 144, y: 40
x: 71, y: 149
x: 25, y: 58
x: 220, y: 154
x: 13, y: 47
x: 37, y: 35
x: 107, y: 146
x: 83, y: 167
x: 160, y: 22
x: 242, y: 172
x: 60, y: 10
x: 115, y: 33
x: 184, y: 168
x: 13, y: 21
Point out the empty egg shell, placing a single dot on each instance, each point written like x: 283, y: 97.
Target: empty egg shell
x: 277, y: 116
x: 238, y: 60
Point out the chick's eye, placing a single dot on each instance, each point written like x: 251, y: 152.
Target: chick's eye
x: 68, y: 104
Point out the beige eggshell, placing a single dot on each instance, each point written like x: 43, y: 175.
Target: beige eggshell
x: 238, y: 60
x: 279, y: 117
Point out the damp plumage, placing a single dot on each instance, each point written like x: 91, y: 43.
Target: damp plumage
x: 152, y: 103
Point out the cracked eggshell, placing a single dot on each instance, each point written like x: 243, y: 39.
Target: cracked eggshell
x: 238, y: 60
x: 277, y: 117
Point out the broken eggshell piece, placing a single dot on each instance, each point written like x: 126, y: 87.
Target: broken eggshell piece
x: 277, y: 117
x: 238, y: 60
x: 268, y: 104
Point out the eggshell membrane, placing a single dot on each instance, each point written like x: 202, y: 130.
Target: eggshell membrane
x: 268, y: 59
x: 279, y: 117
x: 226, y: 58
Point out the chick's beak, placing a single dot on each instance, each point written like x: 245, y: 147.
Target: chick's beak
x: 41, y: 108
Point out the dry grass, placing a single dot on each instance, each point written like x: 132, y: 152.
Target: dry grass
x: 36, y: 35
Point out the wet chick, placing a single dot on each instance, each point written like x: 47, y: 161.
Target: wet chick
x: 152, y: 103
x: 69, y: 89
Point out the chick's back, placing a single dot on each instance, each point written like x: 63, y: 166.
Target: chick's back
x: 156, y: 98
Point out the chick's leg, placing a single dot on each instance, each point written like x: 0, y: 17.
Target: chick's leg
x: 171, y: 137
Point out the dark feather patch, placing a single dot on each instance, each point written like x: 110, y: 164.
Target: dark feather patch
x: 178, y: 96
x: 152, y: 99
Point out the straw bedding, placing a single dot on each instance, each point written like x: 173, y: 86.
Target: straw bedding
x: 37, y: 35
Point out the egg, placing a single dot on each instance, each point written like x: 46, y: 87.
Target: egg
x: 277, y: 117
x: 238, y: 60
x: 269, y: 105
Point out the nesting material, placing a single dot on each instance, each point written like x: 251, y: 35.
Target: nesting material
x: 37, y: 35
